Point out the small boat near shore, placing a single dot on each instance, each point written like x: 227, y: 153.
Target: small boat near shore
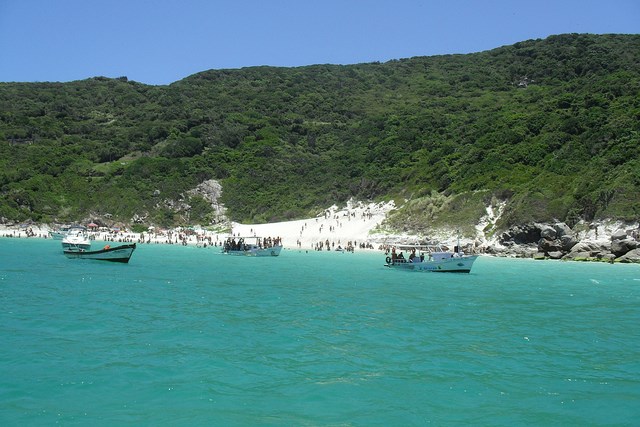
x: 58, y: 233
x: 252, y: 246
x: 431, y: 259
x: 120, y: 253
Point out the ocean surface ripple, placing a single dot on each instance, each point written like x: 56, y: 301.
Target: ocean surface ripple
x: 187, y: 336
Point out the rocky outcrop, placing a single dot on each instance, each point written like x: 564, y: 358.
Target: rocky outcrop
x: 559, y: 241
x: 521, y: 235
x: 547, y: 245
x: 621, y: 243
x: 568, y: 242
x: 585, y: 251
x: 211, y: 191
x: 631, y: 256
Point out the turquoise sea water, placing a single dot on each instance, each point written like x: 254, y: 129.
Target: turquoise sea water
x: 185, y: 336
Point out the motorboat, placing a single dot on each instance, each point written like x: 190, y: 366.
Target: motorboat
x: 76, y: 238
x: 252, y: 246
x: 430, y: 258
x: 59, y: 233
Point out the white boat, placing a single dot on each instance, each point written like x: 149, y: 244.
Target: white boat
x: 59, y: 233
x: 430, y: 258
x: 120, y: 253
x: 76, y: 238
x: 252, y: 246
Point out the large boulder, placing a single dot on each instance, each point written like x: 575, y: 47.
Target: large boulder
x: 584, y: 251
x: 568, y: 242
x: 562, y: 230
x: 585, y: 247
x: 620, y: 247
x: 633, y: 256
x: 581, y: 256
x: 521, y: 235
x: 549, y: 233
x: 539, y: 256
x: 555, y: 254
x: 546, y: 245
x: 619, y: 235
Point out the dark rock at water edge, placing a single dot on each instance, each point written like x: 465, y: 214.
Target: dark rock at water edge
x: 631, y: 256
x: 521, y: 235
x: 559, y: 241
x: 621, y: 247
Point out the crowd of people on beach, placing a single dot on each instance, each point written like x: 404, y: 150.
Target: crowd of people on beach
x: 331, y: 246
x: 198, y: 240
x: 330, y: 232
x: 331, y: 223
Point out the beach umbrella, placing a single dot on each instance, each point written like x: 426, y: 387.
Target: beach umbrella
x: 93, y: 225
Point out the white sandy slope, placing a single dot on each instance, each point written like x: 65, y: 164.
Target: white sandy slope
x: 353, y: 223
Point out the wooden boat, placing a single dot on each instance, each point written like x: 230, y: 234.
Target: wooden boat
x: 251, y: 246
x: 114, y: 254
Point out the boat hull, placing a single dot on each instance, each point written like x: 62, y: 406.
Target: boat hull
x: 255, y: 252
x: 116, y: 254
x: 57, y: 235
x: 461, y: 264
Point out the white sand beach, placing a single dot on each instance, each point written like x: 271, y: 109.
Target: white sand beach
x: 355, y: 224
x: 339, y: 227
x: 352, y: 224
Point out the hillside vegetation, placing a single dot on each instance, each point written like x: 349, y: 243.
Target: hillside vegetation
x: 551, y: 127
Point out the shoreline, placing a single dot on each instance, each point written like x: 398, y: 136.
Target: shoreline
x: 358, y: 226
x: 176, y: 239
x: 334, y: 228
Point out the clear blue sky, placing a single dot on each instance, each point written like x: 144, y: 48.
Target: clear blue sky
x: 162, y: 41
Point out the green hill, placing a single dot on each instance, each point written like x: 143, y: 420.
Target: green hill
x: 551, y: 127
